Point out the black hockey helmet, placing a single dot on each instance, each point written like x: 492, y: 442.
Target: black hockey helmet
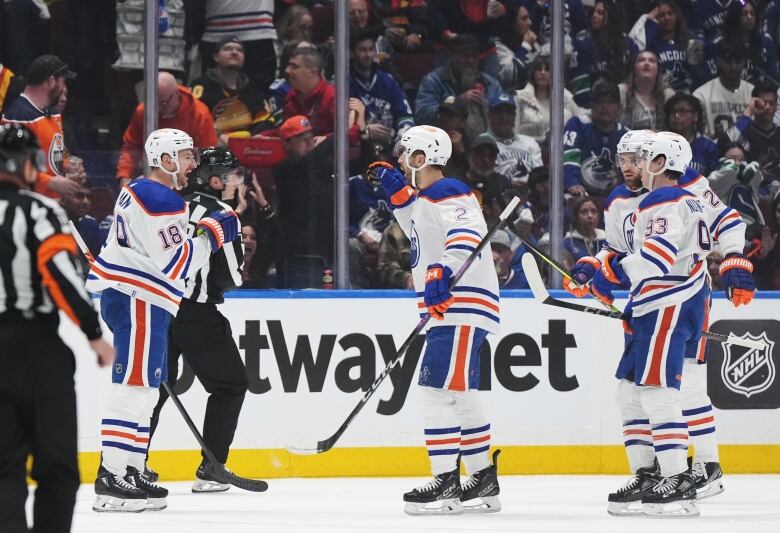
x: 214, y: 161
x: 18, y: 144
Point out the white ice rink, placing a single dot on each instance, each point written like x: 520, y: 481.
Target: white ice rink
x: 750, y: 504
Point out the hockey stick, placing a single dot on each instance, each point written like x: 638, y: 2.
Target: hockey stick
x: 325, y: 445
x: 215, y: 468
x: 541, y: 294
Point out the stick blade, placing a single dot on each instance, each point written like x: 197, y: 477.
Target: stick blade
x: 531, y: 271
x: 301, y: 445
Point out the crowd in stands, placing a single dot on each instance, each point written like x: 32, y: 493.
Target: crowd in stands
x: 257, y: 76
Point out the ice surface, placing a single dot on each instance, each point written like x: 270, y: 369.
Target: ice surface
x: 750, y: 504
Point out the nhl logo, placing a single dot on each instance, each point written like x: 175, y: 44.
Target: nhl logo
x: 748, y: 371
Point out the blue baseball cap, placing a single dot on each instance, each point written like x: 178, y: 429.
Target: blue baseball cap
x: 502, y: 99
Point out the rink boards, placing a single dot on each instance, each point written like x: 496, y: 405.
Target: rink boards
x: 547, y: 380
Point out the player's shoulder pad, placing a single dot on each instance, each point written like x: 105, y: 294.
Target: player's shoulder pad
x: 663, y: 195
x: 621, y: 192
x: 445, y: 189
x: 155, y: 198
x: 689, y: 177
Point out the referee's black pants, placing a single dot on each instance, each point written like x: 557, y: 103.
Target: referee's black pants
x: 38, y: 418
x: 203, y: 336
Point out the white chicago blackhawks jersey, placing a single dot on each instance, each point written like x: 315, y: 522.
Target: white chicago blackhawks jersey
x: 445, y: 224
x: 147, y: 253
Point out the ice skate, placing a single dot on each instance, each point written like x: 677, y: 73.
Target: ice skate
x: 480, y: 491
x: 627, y: 501
x: 149, y: 474
x: 115, y: 494
x: 155, y: 494
x: 205, y: 482
x: 672, y: 497
x: 441, y: 495
x: 707, y: 478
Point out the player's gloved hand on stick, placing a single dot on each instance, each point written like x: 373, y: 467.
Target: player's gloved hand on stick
x: 608, y: 278
x: 438, y: 297
x: 393, y: 181
x: 736, y: 272
x: 581, y: 274
x: 220, y: 227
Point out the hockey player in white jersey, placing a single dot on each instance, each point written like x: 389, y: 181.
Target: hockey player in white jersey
x: 665, y: 273
x: 141, y: 272
x: 443, y: 220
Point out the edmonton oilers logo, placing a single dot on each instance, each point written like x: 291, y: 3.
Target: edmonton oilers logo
x: 415, y: 247
x: 158, y: 373
x: 628, y: 231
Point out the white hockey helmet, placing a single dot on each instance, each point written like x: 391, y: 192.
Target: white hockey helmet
x: 168, y: 141
x: 632, y: 140
x: 432, y: 141
x: 672, y: 146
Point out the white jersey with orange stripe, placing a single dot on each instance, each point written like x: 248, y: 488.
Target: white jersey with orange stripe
x: 445, y: 224
x: 147, y: 253
x: 674, y: 234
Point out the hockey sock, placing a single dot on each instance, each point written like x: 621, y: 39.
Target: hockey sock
x: 474, y: 432
x: 637, y: 436
x: 442, y: 430
x: 670, y: 432
x: 119, y: 426
x: 138, y: 460
x: 697, y: 412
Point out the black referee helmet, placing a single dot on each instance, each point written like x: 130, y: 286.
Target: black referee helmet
x: 17, y: 145
x: 214, y: 161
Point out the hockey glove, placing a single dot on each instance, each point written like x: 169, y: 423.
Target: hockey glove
x: 438, y: 297
x: 393, y: 182
x: 736, y: 272
x: 609, y: 277
x: 220, y: 227
x: 581, y: 274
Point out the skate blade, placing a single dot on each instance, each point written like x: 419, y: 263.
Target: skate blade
x: 625, y: 508
x: 156, y: 504
x: 678, y: 509
x: 439, y: 507
x: 712, y: 489
x: 108, y: 504
x: 484, y: 504
x: 201, y: 485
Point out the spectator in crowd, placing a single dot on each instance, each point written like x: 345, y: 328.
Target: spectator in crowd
x: 76, y: 206
x: 177, y: 108
x: 461, y: 78
x: 360, y: 17
x: 407, y: 26
x: 533, y: 102
x: 741, y: 25
x: 235, y: 102
x: 310, y: 95
x: 585, y: 238
x: 683, y: 114
x: 35, y: 108
x: 539, y: 200
x: 713, y: 267
x: 664, y: 31
x: 602, y: 53
x: 767, y: 260
x: 575, y: 18
x: 257, y: 212
x: 508, y: 277
x: 295, y: 25
x: 394, y: 265
x: 758, y: 133
x: 388, y: 113
x: 724, y: 98
x: 251, y: 274
x: 479, y: 18
x: 277, y: 91
x: 451, y: 117
x: 516, y: 47
x: 10, y: 85
x: 481, y: 175
x: 251, y: 23
x: 736, y: 183
x: 589, y: 145
x: 644, y: 94
x: 708, y: 16
x: 517, y: 153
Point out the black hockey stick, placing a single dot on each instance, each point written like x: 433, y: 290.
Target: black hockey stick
x: 215, y: 468
x: 312, y: 448
x: 531, y: 270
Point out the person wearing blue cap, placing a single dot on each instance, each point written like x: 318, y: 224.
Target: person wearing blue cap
x: 517, y: 153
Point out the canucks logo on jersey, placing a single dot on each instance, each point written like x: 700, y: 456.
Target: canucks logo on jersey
x: 598, y: 171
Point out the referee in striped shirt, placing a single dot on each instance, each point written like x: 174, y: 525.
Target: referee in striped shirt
x: 200, y: 332
x: 38, y: 278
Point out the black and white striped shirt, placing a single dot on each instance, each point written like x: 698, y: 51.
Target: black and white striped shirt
x: 223, y: 271
x: 38, y: 272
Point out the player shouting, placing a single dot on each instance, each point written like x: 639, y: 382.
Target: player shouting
x: 444, y: 223
x: 141, y: 272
